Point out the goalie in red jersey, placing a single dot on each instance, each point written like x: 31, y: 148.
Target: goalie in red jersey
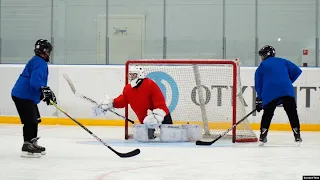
x: 145, y: 98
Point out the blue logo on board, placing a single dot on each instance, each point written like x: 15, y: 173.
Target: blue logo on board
x: 160, y: 78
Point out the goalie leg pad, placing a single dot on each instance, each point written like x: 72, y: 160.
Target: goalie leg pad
x: 180, y: 133
x: 168, y: 133
x: 194, y: 132
x: 142, y: 133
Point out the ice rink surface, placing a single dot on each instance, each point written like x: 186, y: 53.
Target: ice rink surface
x: 73, y: 154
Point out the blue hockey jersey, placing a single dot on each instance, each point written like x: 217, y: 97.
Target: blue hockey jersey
x: 34, y: 75
x: 274, y: 78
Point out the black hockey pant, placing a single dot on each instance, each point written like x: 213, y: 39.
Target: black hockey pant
x: 289, y: 105
x: 29, y: 116
x: 167, y: 119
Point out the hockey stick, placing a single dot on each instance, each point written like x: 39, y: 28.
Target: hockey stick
x: 208, y: 143
x: 73, y: 89
x: 122, y: 155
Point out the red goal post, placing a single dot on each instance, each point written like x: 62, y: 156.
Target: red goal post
x: 195, y: 76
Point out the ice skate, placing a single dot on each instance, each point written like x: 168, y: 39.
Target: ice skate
x: 263, y: 136
x: 296, y: 134
x: 29, y: 151
x: 34, y: 141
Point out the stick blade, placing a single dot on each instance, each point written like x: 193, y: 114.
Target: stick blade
x: 204, y: 143
x: 69, y: 81
x: 129, y: 154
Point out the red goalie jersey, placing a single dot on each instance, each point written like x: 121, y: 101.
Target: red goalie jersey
x: 143, y: 96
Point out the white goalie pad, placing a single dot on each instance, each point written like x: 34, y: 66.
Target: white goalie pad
x: 169, y: 133
x: 180, y: 133
x: 140, y: 132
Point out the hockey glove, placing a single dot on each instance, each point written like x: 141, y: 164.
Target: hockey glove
x: 259, y: 104
x: 154, y: 118
x: 97, y: 111
x: 106, y: 104
x: 47, y: 95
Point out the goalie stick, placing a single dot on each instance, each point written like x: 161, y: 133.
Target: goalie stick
x: 73, y: 89
x: 122, y: 155
x: 208, y: 143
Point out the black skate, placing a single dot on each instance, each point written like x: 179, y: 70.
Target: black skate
x: 263, y: 136
x: 34, y: 141
x: 30, y: 151
x: 296, y: 134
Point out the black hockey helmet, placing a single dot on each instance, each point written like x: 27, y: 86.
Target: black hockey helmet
x: 43, y: 47
x: 267, y: 51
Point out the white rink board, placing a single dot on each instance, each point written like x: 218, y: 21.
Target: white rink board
x: 97, y: 80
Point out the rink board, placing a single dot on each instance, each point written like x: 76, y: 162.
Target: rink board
x: 95, y: 81
x: 105, y: 122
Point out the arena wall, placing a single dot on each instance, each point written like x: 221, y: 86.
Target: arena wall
x: 97, y: 80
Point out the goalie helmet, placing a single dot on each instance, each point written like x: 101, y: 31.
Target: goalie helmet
x: 136, y: 74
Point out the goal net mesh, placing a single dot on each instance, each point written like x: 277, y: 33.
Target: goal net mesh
x: 205, y: 92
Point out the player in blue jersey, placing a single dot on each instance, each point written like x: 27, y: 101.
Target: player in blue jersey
x: 273, y: 83
x: 30, y: 88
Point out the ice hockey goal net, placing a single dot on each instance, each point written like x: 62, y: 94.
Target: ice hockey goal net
x: 206, y: 92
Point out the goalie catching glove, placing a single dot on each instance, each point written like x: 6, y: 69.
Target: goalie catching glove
x: 103, y: 107
x: 154, y: 118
